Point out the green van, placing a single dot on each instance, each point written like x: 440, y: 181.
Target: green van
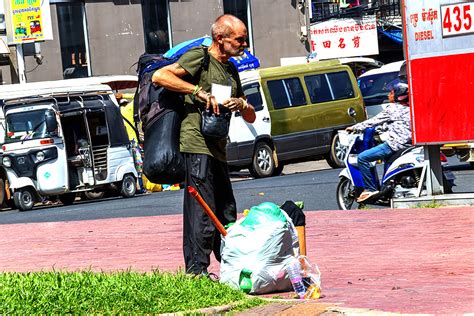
x: 299, y: 110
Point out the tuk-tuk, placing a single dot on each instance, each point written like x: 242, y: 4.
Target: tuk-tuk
x: 63, y: 138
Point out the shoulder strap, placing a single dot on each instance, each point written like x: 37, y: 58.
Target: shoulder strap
x: 136, y: 116
x: 206, y: 60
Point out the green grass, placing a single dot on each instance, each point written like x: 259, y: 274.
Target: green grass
x: 432, y: 204
x: 112, y: 293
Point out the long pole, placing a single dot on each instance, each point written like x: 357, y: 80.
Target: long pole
x: 195, y: 194
x: 21, y: 63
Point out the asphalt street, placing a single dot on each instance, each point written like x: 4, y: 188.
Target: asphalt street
x: 312, y: 182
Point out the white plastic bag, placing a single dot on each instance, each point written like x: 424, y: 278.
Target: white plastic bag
x: 261, y: 242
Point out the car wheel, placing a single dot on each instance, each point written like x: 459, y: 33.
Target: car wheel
x: 129, y: 186
x: 93, y: 195
x: 262, y: 162
x: 346, y: 195
x: 24, y: 199
x: 337, y: 153
x: 67, y: 198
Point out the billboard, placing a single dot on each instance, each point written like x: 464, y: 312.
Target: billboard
x: 439, y: 47
x: 27, y: 21
x: 344, y: 38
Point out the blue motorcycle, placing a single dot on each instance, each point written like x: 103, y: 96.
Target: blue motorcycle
x: 402, y: 173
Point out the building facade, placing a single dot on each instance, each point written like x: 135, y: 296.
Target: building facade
x: 101, y: 37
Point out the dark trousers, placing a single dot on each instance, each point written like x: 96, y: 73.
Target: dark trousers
x: 211, y: 179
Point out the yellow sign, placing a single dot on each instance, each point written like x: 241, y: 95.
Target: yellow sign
x: 26, y: 21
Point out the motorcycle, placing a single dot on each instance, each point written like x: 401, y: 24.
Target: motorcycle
x: 402, y: 173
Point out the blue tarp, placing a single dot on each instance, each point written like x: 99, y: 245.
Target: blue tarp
x: 245, y: 62
x: 395, y: 35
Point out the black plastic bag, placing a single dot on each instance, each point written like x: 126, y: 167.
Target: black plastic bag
x: 216, y: 126
x: 163, y: 163
x: 294, y: 212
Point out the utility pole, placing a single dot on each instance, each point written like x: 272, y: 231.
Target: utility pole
x: 21, y: 63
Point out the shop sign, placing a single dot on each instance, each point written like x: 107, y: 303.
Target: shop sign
x: 344, y: 38
x: 27, y: 20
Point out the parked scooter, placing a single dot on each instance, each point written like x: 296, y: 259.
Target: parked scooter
x: 402, y: 175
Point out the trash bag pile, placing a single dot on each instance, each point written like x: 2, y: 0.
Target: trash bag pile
x: 256, y: 250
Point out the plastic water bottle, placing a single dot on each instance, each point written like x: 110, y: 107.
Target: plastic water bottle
x: 294, y: 273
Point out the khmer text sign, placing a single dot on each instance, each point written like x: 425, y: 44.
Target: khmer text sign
x: 344, y: 38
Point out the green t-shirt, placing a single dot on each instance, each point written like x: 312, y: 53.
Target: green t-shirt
x: 191, y: 139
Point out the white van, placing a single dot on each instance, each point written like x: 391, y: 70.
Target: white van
x: 375, y: 85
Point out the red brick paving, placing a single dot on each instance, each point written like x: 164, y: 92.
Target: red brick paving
x: 407, y: 261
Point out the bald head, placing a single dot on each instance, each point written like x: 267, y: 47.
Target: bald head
x: 229, y: 38
x: 225, y: 25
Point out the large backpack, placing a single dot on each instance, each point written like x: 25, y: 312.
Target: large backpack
x: 160, y: 112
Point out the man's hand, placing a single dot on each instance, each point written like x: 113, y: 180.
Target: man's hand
x: 210, y: 101
x: 350, y: 129
x: 241, y: 105
x: 236, y: 104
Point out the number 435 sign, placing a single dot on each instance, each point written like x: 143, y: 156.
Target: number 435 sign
x: 457, y: 19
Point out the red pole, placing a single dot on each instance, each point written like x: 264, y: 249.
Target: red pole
x: 195, y: 194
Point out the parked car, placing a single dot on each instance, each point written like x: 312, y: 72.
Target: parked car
x: 299, y: 110
x: 375, y: 85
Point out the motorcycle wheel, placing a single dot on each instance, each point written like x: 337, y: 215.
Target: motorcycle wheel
x: 346, y: 195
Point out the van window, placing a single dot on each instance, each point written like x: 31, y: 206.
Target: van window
x: 318, y: 88
x: 252, y: 92
x: 341, y: 85
x: 286, y: 93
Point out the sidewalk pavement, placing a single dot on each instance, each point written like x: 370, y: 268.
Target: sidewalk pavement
x: 392, y: 260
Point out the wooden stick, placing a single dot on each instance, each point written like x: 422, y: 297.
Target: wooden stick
x: 195, y: 194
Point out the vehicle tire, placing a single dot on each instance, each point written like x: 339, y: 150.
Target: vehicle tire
x: 93, y: 195
x: 24, y: 200
x: 2, y: 191
x: 263, y: 164
x: 346, y: 195
x: 67, y: 198
x: 337, y: 153
x: 128, y: 187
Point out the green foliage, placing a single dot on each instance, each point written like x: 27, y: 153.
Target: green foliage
x: 432, y: 204
x: 112, y: 293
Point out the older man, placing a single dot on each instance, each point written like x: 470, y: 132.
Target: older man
x: 206, y: 167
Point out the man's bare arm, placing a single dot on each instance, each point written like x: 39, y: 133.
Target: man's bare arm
x: 169, y: 77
